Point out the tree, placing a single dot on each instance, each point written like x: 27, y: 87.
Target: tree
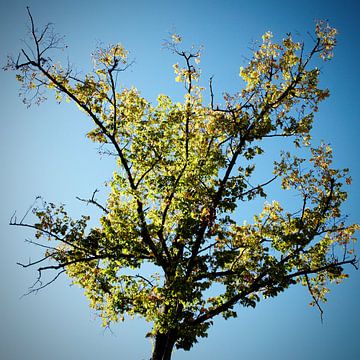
x: 170, y: 230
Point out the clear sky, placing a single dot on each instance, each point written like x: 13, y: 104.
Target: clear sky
x: 44, y: 152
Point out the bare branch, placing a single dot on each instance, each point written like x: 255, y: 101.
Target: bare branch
x: 316, y: 300
x: 32, y: 263
x: 254, y: 189
x: 353, y: 262
x: 93, y: 201
x: 34, y: 289
x: 49, y: 233
x: 40, y: 245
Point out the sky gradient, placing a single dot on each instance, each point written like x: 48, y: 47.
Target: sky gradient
x: 44, y: 152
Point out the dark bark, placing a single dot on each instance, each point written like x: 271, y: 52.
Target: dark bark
x: 164, y: 344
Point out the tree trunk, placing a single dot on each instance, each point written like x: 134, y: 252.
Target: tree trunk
x: 164, y: 344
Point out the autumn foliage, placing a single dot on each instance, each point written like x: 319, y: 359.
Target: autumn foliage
x: 170, y: 229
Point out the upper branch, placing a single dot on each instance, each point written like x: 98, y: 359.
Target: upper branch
x: 93, y: 201
x: 61, y: 84
x: 354, y: 262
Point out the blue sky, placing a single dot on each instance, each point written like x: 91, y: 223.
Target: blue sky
x: 44, y: 152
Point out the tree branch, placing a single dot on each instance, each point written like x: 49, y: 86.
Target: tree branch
x: 354, y: 262
x: 93, y: 201
x: 65, y: 90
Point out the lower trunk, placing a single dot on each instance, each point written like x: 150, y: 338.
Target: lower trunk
x: 164, y: 344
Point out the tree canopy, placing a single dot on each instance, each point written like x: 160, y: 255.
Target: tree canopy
x: 171, y: 246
